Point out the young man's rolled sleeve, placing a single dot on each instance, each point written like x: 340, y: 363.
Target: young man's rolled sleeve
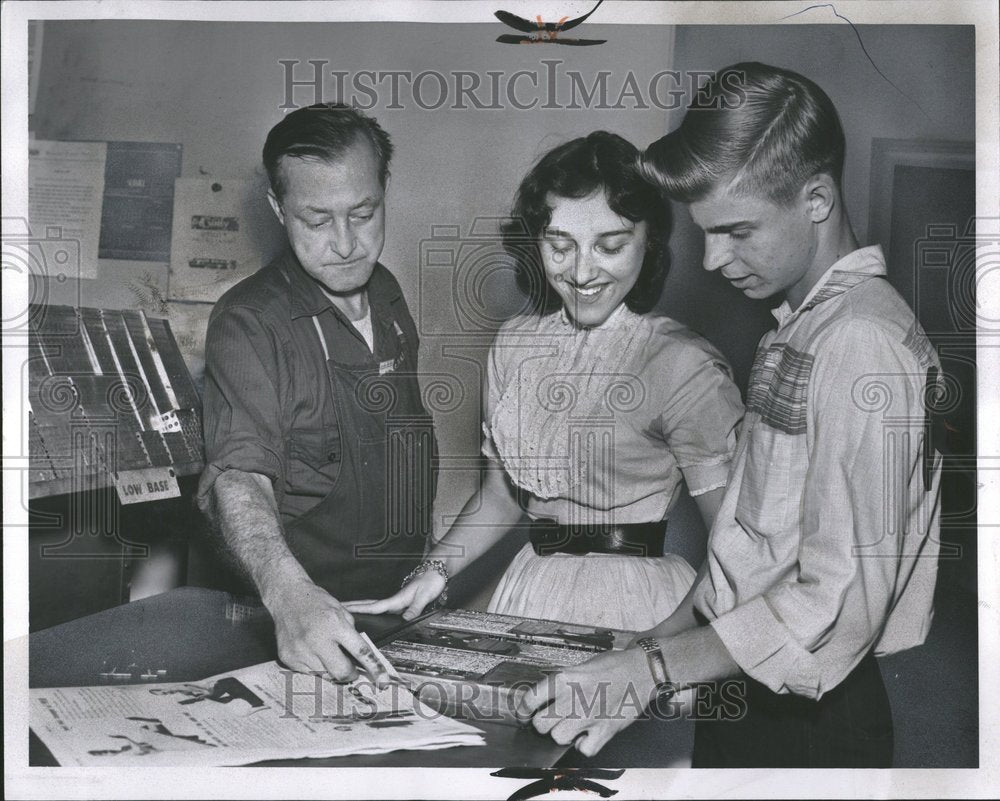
x: 766, y: 650
x: 242, y: 409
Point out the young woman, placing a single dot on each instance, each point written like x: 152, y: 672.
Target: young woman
x: 596, y: 409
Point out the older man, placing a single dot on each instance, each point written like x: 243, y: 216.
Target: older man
x: 320, y: 452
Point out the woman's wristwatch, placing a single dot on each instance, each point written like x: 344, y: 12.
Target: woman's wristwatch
x: 665, y: 688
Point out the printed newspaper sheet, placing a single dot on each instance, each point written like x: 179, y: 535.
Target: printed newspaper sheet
x: 236, y: 718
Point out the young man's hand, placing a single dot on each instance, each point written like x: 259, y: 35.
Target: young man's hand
x: 588, y: 704
x: 316, y: 633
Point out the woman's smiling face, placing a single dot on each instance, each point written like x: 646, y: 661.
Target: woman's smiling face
x: 592, y: 256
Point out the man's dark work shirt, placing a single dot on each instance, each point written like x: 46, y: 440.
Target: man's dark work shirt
x: 268, y: 407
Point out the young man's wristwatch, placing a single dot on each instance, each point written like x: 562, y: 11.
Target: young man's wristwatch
x: 665, y: 688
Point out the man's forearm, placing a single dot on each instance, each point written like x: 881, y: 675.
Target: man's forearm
x: 251, y: 527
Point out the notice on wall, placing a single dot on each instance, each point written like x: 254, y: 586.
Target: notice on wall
x: 139, y: 200
x: 211, y: 249
x: 65, y: 187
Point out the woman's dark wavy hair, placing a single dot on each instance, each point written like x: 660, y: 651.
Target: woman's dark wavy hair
x: 603, y: 162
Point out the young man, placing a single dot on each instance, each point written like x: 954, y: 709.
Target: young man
x: 311, y: 374
x: 824, y: 551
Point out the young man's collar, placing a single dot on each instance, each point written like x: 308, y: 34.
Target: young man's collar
x: 846, y: 273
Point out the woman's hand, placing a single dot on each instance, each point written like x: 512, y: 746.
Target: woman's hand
x: 411, y: 600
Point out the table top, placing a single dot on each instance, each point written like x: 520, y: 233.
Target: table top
x: 192, y: 633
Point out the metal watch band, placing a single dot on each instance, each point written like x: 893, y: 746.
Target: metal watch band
x: 657, y: 667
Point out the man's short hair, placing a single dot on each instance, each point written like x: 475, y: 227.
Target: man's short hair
x: 601, y: 162
x: 762, y: 129
x: 323, y: 131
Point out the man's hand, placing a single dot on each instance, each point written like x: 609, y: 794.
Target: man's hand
x: 410, y: 601
x: 588, y: 704
x: 316, y: 633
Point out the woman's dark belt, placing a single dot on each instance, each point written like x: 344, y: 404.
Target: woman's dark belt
x: 630, y: 539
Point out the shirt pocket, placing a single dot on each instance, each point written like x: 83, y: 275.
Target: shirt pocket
x: 315, y: 456
x: 765, y: 504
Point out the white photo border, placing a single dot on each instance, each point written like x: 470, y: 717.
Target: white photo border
x: 25, y: 782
